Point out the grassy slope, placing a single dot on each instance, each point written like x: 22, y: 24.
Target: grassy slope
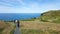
x: 5, y: 28
x: 51, y: 16
x: 43, y: 25
x: 37, y: 27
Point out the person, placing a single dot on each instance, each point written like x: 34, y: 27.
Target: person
x: 16, y: 21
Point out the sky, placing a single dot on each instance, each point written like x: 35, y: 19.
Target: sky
x: 28, y: 6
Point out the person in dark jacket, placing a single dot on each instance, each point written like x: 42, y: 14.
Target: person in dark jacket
x: 16, y: 21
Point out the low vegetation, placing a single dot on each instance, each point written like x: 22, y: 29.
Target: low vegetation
x: 30, y: 19
x: 39, y: 31
x: 12, y: 31
x: 6, y: 27
x: 47, y: 23
x: 36, y: 27
x: 51, y: 16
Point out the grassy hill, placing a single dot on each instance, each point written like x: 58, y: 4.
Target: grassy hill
x: 51, y: 16
x: 6, y: 27
x: 38, y: 27
x: 42, y: 25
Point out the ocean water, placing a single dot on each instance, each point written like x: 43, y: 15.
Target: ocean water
x: 18, y: 16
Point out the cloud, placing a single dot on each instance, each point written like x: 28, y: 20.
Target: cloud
x: 28, y: 6
x: 21, y: 2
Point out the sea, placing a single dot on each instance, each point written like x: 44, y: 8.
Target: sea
x: 18, y: 16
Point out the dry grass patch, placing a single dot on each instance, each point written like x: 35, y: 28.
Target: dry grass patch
x: 35, y: 27
x: 5, y: 28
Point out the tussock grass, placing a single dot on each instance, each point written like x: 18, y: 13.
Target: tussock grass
x: 38, y: 31
x: 5, y: 27
x: 38, y: 27
x: 12, y: 31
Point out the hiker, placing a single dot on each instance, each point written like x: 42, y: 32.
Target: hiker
x: 16, y: 21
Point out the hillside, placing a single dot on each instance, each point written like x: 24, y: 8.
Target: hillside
x: 6, y: 28
x: 47, y: 23
x: 38, y: 27
x: 51, y: 16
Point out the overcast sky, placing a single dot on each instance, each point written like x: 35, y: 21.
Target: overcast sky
x: 28, y: 6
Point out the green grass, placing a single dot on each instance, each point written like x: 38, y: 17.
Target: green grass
x: 12, y: 32
x: 51, y: 16
x: 30, y: 19
x: 38, y: 31
x: 31, y: 31
x: 56, y: 21
x: 1, y: 29
x: 54, y: 32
